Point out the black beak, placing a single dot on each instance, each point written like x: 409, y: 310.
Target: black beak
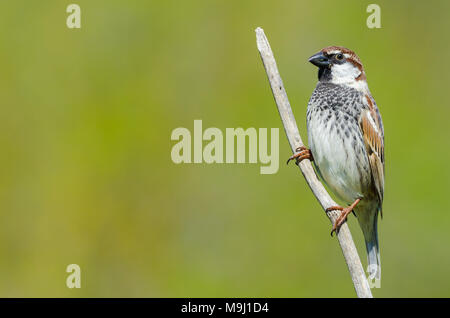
x: 319, y: 60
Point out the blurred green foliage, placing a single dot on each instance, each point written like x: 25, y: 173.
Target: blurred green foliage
x: 86, y: 175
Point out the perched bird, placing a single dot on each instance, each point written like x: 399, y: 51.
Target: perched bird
x: 346, y: 140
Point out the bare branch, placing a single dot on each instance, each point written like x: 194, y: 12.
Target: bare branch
x: 290, y: 127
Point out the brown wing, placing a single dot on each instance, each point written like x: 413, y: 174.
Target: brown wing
x: 372, y: 130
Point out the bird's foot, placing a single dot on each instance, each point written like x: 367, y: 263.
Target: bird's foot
x: 302, y: 153
x: 343, y: 217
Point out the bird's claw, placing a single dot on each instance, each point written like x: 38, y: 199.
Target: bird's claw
x: 340, y: 220
x: 337, y: 225
x: 343, y: 217
x: 302, y: 153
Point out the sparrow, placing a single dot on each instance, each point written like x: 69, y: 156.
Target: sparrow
x: 346, y: 140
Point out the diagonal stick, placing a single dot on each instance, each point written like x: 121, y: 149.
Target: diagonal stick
x: 290, y: 127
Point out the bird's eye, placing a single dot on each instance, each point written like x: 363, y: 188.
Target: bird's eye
x: 339, y: 56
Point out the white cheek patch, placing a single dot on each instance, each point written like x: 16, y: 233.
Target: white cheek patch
x: 344, y: 73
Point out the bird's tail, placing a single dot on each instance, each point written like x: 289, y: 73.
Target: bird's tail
x: 368, y: 220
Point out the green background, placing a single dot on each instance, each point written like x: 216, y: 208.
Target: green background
x: 86, y: 175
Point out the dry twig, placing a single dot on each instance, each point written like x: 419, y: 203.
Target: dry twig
x: 290, y: 127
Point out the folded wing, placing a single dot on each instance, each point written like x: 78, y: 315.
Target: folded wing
x: 372, y: 131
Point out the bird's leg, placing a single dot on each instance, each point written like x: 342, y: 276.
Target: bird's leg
x: 301, y: 154
x: 341, y: 219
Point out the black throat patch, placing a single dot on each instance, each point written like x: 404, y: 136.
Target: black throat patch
x: 324, y: 74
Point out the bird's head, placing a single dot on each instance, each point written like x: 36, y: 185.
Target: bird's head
x: 339, y: 65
